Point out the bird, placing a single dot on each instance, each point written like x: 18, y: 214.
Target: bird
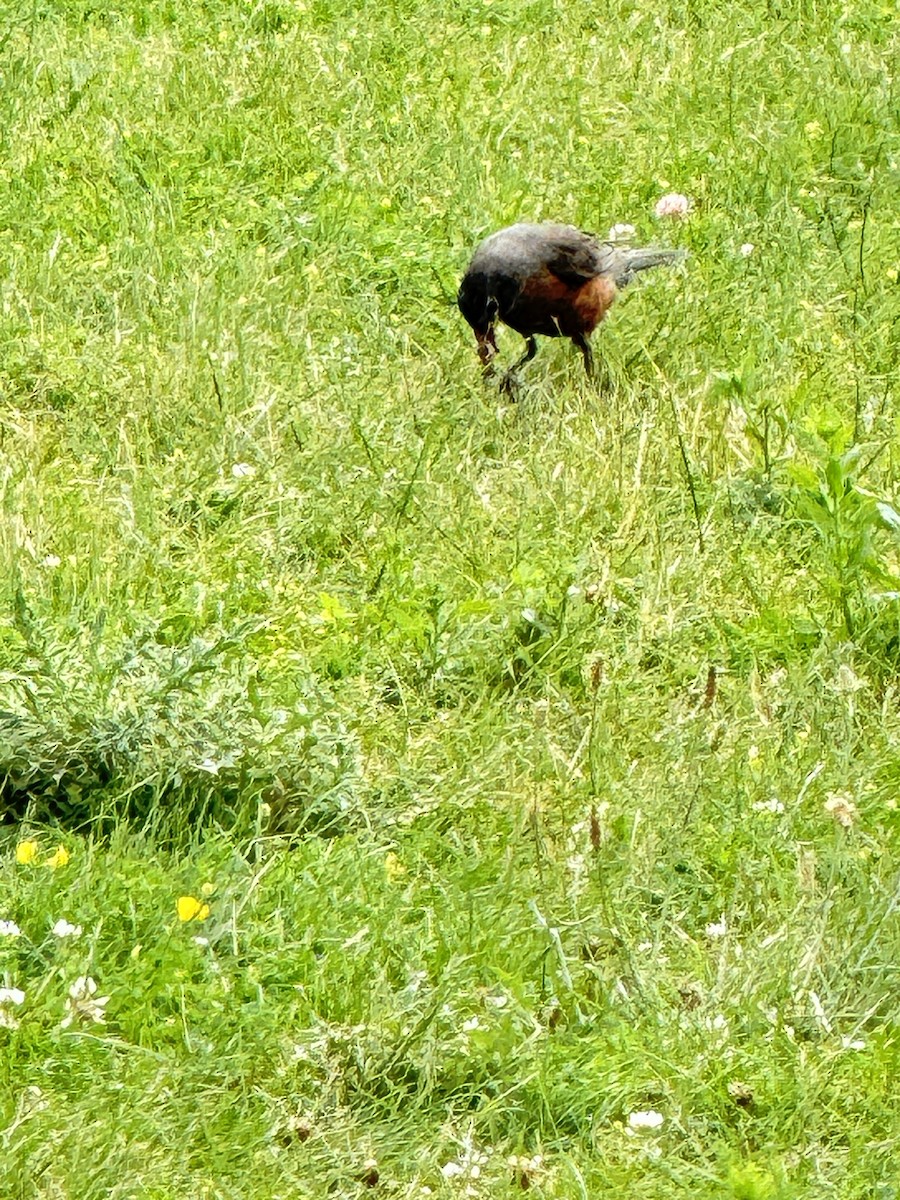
x: 549, y: 280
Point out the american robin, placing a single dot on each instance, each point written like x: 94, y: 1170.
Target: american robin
x: 552, y: 280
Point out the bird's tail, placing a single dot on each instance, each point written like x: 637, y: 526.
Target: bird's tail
x: 634, y: 261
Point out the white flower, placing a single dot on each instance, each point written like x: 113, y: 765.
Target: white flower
x: 639, y: 1122
x: 242, y: 470
x: 841, y: 807
x: 622, y: 233
x: 523, y: 1163
x: 212, y: 766
x: 51, y: 561
x: 773, y: 806
x: 717, y: 929
x: 846, y: 679
x: 62, y: 929
x: 9, y: 929
x: 747, y: 249
x: 673, y: 204
x: 467, y: 1166
x: 9, y: 996
x: 83, y: 1002
x: 853, y: 1043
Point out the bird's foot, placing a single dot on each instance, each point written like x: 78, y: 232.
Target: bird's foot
x: 509, y: 385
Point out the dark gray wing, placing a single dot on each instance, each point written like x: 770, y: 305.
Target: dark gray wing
x: 576, y: 257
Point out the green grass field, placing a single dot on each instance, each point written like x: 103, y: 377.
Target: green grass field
x: 430, y: 785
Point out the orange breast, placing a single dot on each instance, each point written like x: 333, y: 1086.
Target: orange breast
x: 546, y: 305
x: 591, y: 303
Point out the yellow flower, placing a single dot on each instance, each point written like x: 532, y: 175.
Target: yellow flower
x: 26, y: 852
x: 58, y: 858
x: 191, y: 909
x: 393, y: 867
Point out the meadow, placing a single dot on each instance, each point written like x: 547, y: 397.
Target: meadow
x: 406, y: 791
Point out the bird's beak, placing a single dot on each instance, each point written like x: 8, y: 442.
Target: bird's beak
x: 487, y: 347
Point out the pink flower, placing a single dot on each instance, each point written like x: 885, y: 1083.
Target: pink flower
x: 673, y: 204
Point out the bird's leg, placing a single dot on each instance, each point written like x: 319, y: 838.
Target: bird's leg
x: 587, y: 354
x: 530, y: 352
x: 511, y: 379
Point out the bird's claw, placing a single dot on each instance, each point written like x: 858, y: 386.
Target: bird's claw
x: 509, y: 386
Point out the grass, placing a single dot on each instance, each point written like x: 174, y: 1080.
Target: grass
x: 529, y: 766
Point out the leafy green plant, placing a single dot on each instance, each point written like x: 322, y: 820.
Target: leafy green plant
x: 171, y: 735
x: 847, y: 520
